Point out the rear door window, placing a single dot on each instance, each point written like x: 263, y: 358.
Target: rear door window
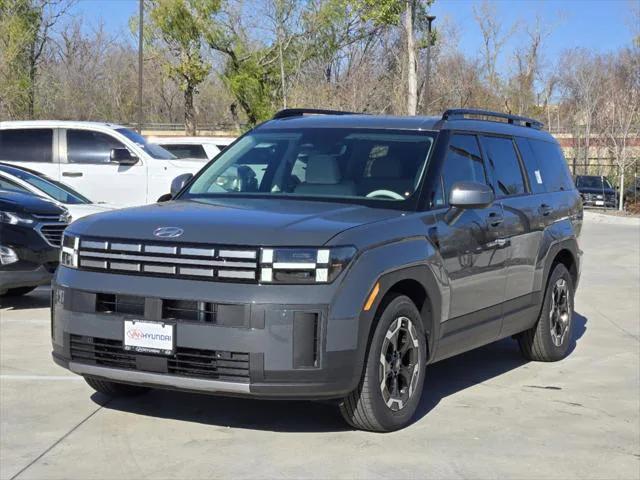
x: 27, y: 145
x: 534, y: 172
x: 553, y: 166
x: 463, y: 163
x: 86, y: 146
x: 505, y: 166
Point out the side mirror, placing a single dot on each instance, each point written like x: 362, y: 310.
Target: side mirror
x: 164, y: 198
x: 123, y: 156
x: 179, y: 182
x: 466, y: 195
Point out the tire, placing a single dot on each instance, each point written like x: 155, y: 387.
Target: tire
x: 540, y: 343
x: 377, y: 409
x: 17, y: 292
x: 114, y: 389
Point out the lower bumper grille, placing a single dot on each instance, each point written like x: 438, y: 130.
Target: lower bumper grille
x: 186, y: 362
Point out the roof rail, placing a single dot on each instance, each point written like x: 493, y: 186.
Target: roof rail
x: 461, y: 113
x: 298, y: 112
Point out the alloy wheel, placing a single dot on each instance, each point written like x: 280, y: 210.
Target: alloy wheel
x: 560, y: 313
x: 399, y: 363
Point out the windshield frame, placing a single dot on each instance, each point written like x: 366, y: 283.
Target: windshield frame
x: 411, y: 203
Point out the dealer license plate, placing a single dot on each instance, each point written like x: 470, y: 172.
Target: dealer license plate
x: 149, y: 337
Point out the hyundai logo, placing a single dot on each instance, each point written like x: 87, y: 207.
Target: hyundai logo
x: 168, y: 232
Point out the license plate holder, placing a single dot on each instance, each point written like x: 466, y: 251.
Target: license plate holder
x: 143, y: 336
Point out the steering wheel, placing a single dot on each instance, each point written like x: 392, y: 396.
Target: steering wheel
x: 385, y: 193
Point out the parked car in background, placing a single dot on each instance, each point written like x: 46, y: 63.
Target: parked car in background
x: 596, y: 191
x: 105, y: 162
x: 24, y: 180
x: 328, y: 255
x: 196, y: 148
x: 30, y: 234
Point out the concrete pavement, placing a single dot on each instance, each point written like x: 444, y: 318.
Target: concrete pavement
x: 485, y: 414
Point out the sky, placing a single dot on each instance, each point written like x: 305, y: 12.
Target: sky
x: 599, y: 25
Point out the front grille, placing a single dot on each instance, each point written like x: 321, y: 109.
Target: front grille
x: 122, y: 304
x: 52, y: 233
x: 186, y: 362
x: 200, y: 262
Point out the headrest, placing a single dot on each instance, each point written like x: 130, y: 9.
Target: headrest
x: 386, y: 167
x: 323, y: 169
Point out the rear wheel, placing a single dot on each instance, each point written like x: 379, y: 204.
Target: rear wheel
x: 391, y: 386
x: 549, y: 339
x: 115, y: 389
x: 17, y: 292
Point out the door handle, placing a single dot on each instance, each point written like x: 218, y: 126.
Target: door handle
x: 545, y: 209
x: 71, y: 174
x: 495, y: 219
x: 499, y: 243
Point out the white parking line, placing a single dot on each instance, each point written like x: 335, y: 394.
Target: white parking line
x: 40, y: 377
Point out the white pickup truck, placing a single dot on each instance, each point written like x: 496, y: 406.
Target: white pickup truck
x: 106, y: 162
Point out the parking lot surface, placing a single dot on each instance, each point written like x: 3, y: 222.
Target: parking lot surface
x: 484, y: 414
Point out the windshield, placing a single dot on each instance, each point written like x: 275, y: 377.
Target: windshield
x: 378, y: 165
x: 155, y: 151
x: 593, y: 182
x: 51, y: 188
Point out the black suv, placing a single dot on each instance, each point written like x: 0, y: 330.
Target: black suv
x: 327, y: 255
x: 30, y: 234
x: 596, y: 191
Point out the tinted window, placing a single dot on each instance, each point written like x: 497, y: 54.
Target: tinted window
x: 6, y: 184
x: 505, y: 166
x: 85, y: 146
x: 186, y: 151
x: 555, y: 171
x: 46, y: 185
x: 531, y: 165
x: 463, y: 163
x: 26, y: 145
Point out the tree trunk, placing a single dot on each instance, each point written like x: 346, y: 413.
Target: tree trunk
x: 412, y: 74
x: 621, y: 191
x: 189, y: 112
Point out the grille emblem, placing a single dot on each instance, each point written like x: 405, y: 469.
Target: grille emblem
x: 168, y: 232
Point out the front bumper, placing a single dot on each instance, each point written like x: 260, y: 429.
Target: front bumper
x: 25, y: 274
x: 253, y: 347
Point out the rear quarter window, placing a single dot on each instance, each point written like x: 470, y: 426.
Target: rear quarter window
x: 27, y: 145
x: 553, y: 166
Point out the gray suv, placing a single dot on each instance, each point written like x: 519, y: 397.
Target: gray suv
x: 329, y: 255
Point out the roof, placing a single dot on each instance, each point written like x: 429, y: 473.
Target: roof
x: 418, y: 123
x: 56, y: 124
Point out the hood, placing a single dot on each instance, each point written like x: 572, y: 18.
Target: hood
x: 244, y: 222
x: 82, y: 210
x: 29, y: 204
x: 187, y: 164
x: 598, y: 190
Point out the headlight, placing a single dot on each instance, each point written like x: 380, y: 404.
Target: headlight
x: 7, y: 255
x: 14, y: 219
x: 303, y: 265
x: 69, y: 250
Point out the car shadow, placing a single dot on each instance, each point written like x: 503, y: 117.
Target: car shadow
x: 444, y: 378
x: 39, y: 298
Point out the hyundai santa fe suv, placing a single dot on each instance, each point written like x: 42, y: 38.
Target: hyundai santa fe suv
x: 329, y: 255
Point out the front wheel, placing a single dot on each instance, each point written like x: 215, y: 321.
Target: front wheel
x: 391, y: 386
x: 549, y: 339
